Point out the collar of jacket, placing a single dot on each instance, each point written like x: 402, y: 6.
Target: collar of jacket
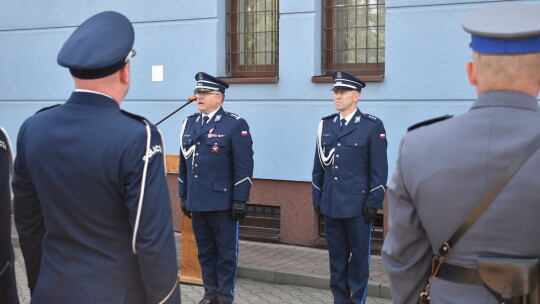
x: 506, y: 99
x: 92, y: 99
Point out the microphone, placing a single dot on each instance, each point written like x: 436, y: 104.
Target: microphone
x: 190, y: 100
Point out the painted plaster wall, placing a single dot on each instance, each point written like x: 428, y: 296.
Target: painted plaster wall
x: 426, y: 51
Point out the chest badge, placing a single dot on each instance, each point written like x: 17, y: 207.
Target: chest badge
x: 215, y: 149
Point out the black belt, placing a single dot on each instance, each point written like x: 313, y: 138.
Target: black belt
x: 460, y: 274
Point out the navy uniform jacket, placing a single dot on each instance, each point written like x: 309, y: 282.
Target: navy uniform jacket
x: 350, y: 167
x: 77, y: 185
x: 8, y: 287
x: 216, y: 161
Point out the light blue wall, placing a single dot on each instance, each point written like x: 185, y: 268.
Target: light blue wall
x: 425, y: 57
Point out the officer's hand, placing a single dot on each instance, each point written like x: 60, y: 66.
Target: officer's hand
x: 183, y: 206
x: 238, y: 210
x: 317, y: 208
x: 369, y: 214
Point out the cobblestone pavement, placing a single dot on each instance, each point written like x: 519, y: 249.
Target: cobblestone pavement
x: 247, y: 291
x: 298, y: 258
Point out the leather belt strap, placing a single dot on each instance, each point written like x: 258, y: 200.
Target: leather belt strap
x: 460, y: 274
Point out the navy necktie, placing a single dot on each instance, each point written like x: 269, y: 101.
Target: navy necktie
x: 343, y: 121
x: 204, y: 120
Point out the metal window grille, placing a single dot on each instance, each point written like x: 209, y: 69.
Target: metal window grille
x: 354, y: 36
x: 261, y: 222
x: 253, y: 36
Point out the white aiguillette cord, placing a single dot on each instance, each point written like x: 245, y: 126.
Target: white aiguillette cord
x: 187, y: 153
x: 146, y: 160
x: 325, y: 160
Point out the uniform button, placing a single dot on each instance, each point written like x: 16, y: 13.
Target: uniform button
x: 196, y: 176
x: 225, y: 189
x: 196, y: 154
x: 336, y: 167
x: 196, y: 165
x: 335, y: 178
x: 356, y: 144
x: 339, y: 144
x: 215, y: 144
x: 198, y: 143
x: 337, y: 155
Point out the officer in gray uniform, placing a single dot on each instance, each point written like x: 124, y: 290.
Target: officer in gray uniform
x: 445, y: 168
x: 8, y: 285
x: 92, y: 206
x: 349, y: 179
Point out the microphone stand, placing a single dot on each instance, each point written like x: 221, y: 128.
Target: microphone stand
x: 190, y: 100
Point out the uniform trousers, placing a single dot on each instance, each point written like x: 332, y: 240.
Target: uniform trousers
x: 8, y: 287
x: 349, y: 242
x: 216, y: 234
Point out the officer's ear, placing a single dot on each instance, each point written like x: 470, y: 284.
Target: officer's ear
x: 125, y: 74
x: 356, y: 95
x: 470, y: 67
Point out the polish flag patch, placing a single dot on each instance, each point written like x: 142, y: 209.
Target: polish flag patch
x: 382, y: 136
x: 244, y: 133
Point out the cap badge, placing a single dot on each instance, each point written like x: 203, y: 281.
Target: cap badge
x: 338, y: 74
x: 201, y: 76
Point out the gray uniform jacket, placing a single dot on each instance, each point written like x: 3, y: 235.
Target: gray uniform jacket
x: 442, y: 172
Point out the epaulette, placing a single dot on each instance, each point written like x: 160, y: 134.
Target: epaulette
x: 329, y: 116
x: 194, y: 114
x: 233, y: 115
x: 370, y: 117
x: 428, y: 122
x: 138, y: 117
x: 47, y: 108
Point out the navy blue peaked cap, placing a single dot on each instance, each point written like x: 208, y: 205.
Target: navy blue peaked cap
x: 207, y: 82
x: 344, y: 81
x: 99, y: 47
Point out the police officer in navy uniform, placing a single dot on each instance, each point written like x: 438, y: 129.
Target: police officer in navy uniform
x: 91, y: 202
x: 216, y: 167
x: 8, y: 285
x: 445, y: 167
x: 348, y: 187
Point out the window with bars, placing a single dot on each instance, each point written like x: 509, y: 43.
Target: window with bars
x: 353, y: 36
x: 261, y: 223
x: 252, y: 28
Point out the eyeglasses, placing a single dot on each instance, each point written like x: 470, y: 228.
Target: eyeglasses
x: 130, y: 55
x: 204, y: 94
